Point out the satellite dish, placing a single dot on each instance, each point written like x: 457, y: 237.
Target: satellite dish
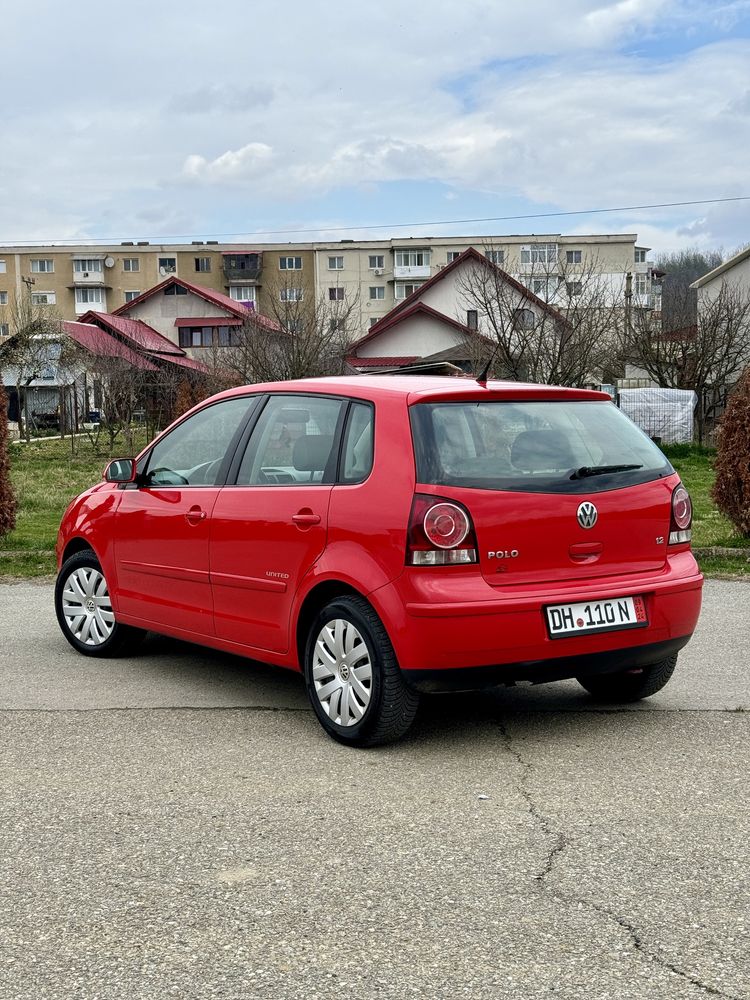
x: 109, y: 261
x: 162, y: 270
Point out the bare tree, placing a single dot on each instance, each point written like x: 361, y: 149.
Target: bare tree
x: 706, y: 355
x: 27, y: 351
x: 559, y: 325
x: 301, y: 338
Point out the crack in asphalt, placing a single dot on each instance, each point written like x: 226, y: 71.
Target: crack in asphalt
x: 559, y: 844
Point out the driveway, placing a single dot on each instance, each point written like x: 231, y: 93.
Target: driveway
x: 177, y: 824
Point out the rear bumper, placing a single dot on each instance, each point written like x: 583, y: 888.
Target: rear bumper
x: 541, y: 671
x: 443, y: 626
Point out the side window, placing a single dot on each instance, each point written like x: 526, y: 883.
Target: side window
x: 192, y: 454
x: 293, y: 442
x: 358, y: 444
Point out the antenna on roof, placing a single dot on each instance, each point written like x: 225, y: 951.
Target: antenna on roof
x: 484, y: 374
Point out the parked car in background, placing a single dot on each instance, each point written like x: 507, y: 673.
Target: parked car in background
x: 387, y: 536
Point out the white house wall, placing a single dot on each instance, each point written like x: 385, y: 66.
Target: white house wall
x: 160, y: 311
x: 416, y: 336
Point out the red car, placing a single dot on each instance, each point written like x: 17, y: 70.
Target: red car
x: 391, y: 535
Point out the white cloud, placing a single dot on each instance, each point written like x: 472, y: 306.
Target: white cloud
x: 234, y: 165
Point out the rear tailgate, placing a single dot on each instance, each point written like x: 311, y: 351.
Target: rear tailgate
x: 537, y: 537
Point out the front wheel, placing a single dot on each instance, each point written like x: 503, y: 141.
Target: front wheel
x: 353, y: 680
x: 84, y: 609
x: 630, y: 685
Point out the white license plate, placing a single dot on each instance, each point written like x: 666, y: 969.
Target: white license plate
x: 596, y: 616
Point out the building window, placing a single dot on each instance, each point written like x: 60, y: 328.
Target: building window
x: 337, y: 325
x: 175, y: 289
x: 89, y: 296
x: 495, y: 256
x: 335, y: 263
x: 290, y: 263
x: 86, y: 265
x: 453, y: 255
x: 291, y: 295
x: 42, y: 266
x: 242, y: 293
x: 574, y: 288
x: 377, y: 260
x: 406, y: 288
x: 639, y: 286
x: 3, y: 298
x: 472, y: 319
x: 524, y: 319
x: 640, y: 256
x: 4, y: 330
x: 573, y: 256
x: 167, y: 265
x: 374, y: 320
x: 412, y: 258
x: 539, y: 253
x: 129, y: 296
x: 377, y: 291
x: 44, y: 298
x: 203, y: 264
x: 2, y: 267
x: 336, y: 294
x: 131, y: 264
x: 545, y: 288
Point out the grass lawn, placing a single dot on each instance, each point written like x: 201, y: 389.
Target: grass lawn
x: 47, y: 476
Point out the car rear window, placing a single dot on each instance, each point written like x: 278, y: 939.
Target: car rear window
x: 554, y: 446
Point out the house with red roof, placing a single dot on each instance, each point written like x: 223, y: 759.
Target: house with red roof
x: 440, y: 321
x: 190, y: 317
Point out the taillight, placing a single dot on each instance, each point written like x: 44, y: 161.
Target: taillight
x: 440, y: 533
x: 682, y: 516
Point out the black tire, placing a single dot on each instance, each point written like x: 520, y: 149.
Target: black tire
x: 121, y: 639
x: 392, y: 705
x: 630, y: 685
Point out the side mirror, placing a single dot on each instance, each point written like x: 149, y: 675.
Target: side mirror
x: 120, y: 470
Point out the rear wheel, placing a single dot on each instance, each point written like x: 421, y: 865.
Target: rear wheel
x: 84, y: 609
x: 353, y: 679
x: 630, y: 685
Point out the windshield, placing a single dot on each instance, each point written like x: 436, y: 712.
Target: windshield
x: 576, y: 446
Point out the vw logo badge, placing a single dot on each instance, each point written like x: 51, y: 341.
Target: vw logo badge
x: 587, y: 514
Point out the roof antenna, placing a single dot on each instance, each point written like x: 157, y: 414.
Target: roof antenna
x: 483, y: 375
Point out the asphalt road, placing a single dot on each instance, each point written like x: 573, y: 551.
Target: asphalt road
x: 177, y: 825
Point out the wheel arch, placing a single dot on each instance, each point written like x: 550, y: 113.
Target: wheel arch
x: 74, y: 546
x: 320, y: 595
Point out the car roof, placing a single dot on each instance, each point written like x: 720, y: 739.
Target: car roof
x: 420, y: 388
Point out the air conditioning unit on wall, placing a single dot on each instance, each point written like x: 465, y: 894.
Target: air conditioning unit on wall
x: 378, y: 271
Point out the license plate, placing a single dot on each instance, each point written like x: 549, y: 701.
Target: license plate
x: 596, y: 616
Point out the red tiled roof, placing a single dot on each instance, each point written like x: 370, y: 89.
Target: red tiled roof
x: 99, y: 343
x: 185, y: 362
x: 208, y: 321
x: 134, y: 330
x: 410, y: 300
x: 215, y: 298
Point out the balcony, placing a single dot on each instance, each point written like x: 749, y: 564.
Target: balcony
x: 411, y: 271
x: 242, y: 266
x: 88, y: 273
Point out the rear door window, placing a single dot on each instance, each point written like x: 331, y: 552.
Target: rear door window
x: 575, y: 446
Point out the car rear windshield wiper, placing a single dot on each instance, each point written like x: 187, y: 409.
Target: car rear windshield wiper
x: 601, y: 470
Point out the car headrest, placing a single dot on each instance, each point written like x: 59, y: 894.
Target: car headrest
x: 311, y: 452
x: 538, y: 451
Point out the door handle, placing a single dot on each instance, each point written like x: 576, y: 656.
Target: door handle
x: 306, y: 517
x: 195, y: 515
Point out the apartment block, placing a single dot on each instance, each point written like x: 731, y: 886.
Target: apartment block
x: 377, y: 273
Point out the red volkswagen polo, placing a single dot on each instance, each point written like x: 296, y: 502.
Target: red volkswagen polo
x: 391, y: 535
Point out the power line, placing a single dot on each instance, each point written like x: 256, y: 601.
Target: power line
x: 379, y: 226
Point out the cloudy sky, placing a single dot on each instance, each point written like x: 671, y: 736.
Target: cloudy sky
x: 305, y: 119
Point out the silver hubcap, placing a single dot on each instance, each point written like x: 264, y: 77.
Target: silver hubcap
x: 342, y: 672
x: 86, y: 606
